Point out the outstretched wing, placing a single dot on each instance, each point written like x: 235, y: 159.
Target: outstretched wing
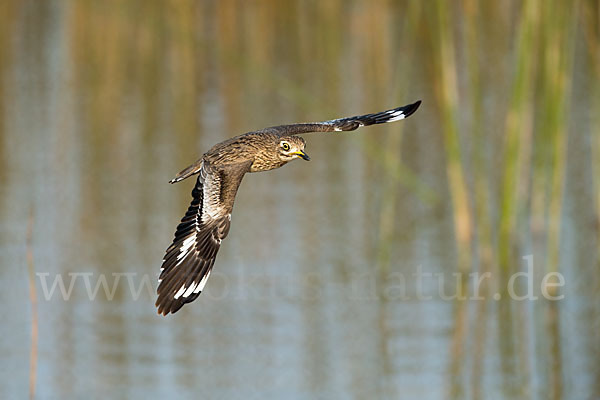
x: 189, y: 259
x: 346, y: 124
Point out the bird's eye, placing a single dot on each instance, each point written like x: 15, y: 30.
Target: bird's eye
x: 285, y: 146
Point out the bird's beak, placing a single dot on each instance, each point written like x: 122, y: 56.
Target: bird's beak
x: 302, y: 155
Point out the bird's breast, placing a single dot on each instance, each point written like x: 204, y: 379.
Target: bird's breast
x: 264, y: 162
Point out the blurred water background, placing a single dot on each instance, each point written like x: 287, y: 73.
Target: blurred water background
x: 346, y: 277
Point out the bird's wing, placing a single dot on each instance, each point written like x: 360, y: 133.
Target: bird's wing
x: 346, y: 124
x: 189, y: 259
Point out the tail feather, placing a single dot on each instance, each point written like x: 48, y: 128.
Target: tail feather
x: 187, y: 172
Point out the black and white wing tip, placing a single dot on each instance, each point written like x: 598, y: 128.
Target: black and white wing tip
x: 352, y: 123
x: 402, y: 112
x: 395, y: 114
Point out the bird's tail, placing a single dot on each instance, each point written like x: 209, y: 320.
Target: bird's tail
x: 187, y: 172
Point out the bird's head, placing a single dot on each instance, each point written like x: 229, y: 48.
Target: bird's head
x: 291, y: 147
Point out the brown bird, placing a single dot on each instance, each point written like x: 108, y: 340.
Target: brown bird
x: 189, y: 259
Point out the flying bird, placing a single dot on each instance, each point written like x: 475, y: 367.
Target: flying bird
x: 189, y: 260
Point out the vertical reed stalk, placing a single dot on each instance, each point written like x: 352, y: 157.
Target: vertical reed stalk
x: 33, y: 356
x: 446, y: 74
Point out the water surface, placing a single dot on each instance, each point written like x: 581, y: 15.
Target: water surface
x: 328, y: 285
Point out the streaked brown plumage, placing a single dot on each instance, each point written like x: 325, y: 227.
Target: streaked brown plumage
x: 189, y: 259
